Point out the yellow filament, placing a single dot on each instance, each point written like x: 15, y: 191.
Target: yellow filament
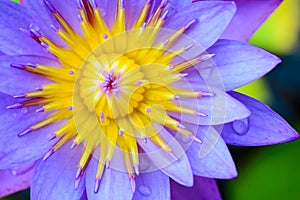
x: 161, y: 143
x: 141, y: 19
x: 122, y: 93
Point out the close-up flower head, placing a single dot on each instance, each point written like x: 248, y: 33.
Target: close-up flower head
x: 130, y: 99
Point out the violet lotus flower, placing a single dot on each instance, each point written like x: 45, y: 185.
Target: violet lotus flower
x: 110, y: 99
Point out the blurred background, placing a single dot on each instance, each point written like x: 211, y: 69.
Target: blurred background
x: 270, y: 172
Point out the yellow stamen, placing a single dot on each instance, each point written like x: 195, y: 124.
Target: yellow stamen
x: 113, y: 85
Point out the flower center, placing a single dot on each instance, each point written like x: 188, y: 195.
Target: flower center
x: 114, y: 86
x: 109, y: 84
x: 117, y: 91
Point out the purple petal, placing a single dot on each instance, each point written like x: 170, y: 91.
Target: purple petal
x: 115, y: 183
x: 17, y: 150
x: 212, y: 19
x: 153, y: 185
x: 13, y: 17
x: 263, y: 127
x: 203, y: 189
x: 240, y: 63
x: 10, y: 83
x: 108, y: 10
x: 55, y: 177
x: 17, y: 179
x: 250, y: 15
x: 43, y: 19
x: 179, y: 170
x: 211, y: 158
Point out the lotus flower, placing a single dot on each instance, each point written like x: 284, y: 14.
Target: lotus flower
x: 113, y: 98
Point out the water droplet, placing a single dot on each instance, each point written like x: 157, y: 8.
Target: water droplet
x: 144, y: 190
x: 22, y: 170
x: 34, y: 26
x: 19, y: 112
x: 15, y: 114
x: 103, y: 12
x: 241, y: 127
x: 20, y: 51
x: 24, y: 110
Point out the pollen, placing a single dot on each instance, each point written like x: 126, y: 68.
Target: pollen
x: 114, y: 85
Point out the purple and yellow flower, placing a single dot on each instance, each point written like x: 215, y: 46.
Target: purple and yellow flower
x: 113, y: 98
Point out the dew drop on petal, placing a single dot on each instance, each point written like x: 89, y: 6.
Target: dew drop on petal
x: 24, y: 110
x: 20, y: 51
x: 144, y: 190
x: 22, y: 170
x: 15, y: 114
x: 19, y: 113
x: 103, y: 12
x: 241, y: 127
x: 132, y: 2
x: 34, y: 27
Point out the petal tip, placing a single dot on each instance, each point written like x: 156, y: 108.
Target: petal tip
x: 293, y: 137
